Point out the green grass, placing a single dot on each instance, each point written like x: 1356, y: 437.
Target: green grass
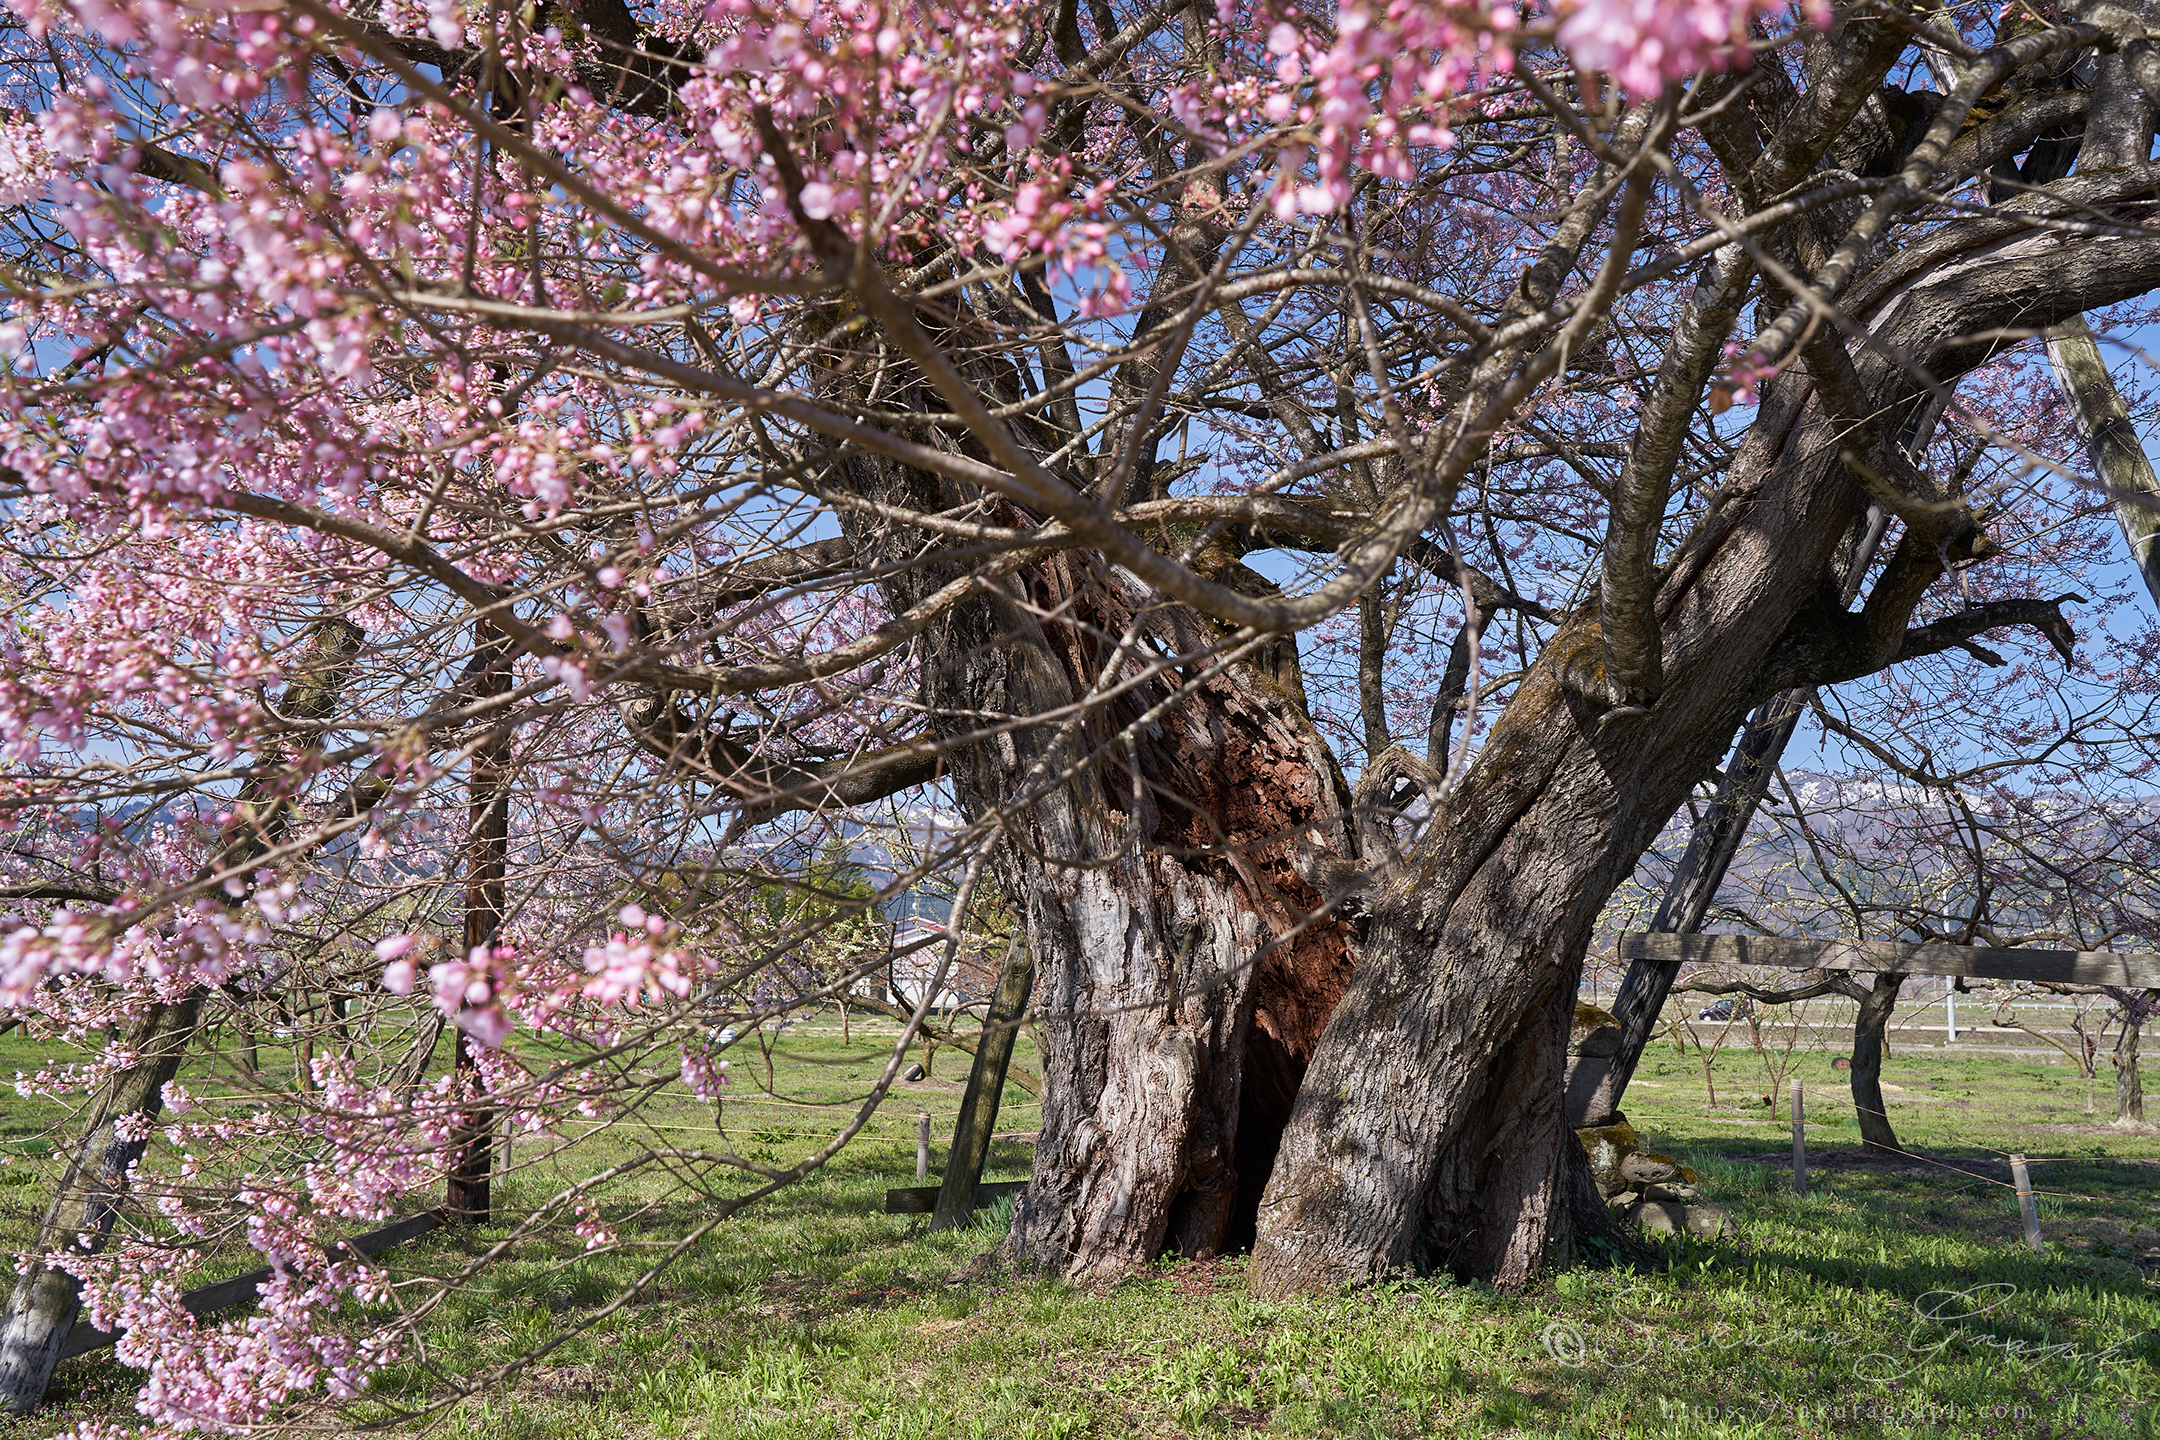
x: 1836, y: 1314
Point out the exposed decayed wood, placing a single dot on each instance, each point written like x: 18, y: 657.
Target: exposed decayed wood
x: 2137, y: 968
x: 1149, y: 883
x: 242, y: 1289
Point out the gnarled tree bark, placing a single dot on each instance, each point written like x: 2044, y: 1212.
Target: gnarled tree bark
x: 1428, y: 1134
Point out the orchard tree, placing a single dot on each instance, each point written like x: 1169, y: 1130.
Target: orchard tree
x: 494, y: 487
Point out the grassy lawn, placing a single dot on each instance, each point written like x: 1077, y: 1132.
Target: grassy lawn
x: 1895, y: 1299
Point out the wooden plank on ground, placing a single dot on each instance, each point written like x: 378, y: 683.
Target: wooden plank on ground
x: 2133, y: 969
x: 922, y: 1199
x: 241, y: 1289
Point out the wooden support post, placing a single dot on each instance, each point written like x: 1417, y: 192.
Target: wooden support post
x: 2028, y: 1208
x: 922, y: 1147
x: 2118, y: 454
x: 1799, y: 1141
x: 922, y: 1199
x: 86, y: 1338
x: 1710, y: 850
x: 985, y: 1088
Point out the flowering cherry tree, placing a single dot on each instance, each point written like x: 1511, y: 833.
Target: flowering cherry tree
x: 493, y: 491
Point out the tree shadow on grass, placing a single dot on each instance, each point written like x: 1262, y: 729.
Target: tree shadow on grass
x: 1981, y: 1281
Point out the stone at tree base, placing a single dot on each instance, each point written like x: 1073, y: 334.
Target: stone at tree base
x: 1588, y: 1020
x: 1655, y: 1191
x: 1617, y: 1166
x: 1647, y: 1167
x: 1706, y: 1221
x: 1600, y: 1044
x: 1607, y: 1146
x: 1660, y: 1217
x: 1698, y: 1218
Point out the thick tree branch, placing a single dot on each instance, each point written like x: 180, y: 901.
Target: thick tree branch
x: 769, y: 785
x: 2044, y: 616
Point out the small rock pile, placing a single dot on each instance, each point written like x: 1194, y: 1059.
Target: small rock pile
x: 1654, y: 1191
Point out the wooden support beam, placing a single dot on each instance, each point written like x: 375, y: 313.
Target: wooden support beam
x: 2132, y: 969
x: 922, y: 1199
x: 241, y: 1289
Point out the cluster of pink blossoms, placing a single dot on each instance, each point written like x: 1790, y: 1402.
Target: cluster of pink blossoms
x: 640, y: 965
x: 1644, y: 44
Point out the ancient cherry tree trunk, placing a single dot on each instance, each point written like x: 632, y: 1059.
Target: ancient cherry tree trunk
x: 1176, y: 831
x: 1185, y: 959
x: 1429, y: 1130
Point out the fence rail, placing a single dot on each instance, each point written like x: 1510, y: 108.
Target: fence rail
x: 2129, y: 968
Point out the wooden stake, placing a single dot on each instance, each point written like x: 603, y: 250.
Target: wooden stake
x: 922, y: 1147
x: 2027, y: 1206
x: 1799, y: 1141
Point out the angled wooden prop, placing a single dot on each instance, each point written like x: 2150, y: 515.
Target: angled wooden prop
x: 241, y: 1289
